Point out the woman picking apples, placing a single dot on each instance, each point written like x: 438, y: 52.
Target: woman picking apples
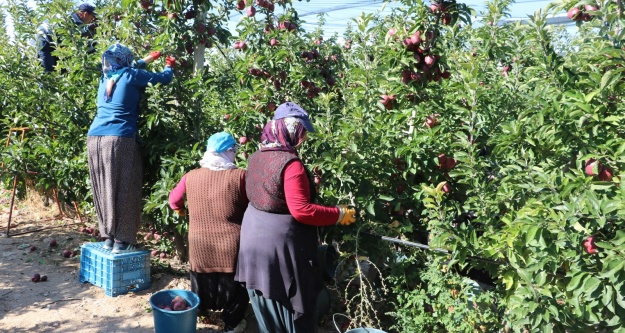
x: 278, y: 253
x: 112, y: 145
x: 217, y: 201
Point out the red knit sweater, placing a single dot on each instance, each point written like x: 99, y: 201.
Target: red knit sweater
x: 297, y: 192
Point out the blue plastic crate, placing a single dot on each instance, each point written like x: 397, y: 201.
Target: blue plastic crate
x: 117, y: 274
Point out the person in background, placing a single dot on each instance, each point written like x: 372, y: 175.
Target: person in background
x: 216, y: 200
x: 278, y: 254
x: 84, y: 20
x: 113, y: 149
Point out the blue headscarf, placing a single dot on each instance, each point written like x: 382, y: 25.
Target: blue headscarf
x: 115, y: 60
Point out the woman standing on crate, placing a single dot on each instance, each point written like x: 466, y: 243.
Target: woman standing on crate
x: 112, y: 145
x: 217, y: 200
x: 278, y: 254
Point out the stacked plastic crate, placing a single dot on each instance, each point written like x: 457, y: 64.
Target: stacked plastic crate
x: 117, y: 274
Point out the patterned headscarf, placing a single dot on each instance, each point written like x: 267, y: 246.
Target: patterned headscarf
x: 282, y: 134
x: 115, y: 61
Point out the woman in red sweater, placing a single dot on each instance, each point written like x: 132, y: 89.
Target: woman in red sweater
x: 277, y: 257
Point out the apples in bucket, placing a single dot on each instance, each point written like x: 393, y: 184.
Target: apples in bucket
x: 177, y: 304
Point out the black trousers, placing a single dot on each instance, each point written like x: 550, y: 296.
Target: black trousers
x: 219, y: 291
x: 273, y: 317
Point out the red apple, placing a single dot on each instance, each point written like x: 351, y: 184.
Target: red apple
x: 240, y: 5
x: 251, y: 11
x: 66, y: 253
x: 163, y: 255
x: 172, y: 16
x: 36, y: 277
x: 391, y: 31
x: 154, y: 253
x: 416, y: 77
x: 589, y: 245
x: 243, y: 140
x: 145, y: 4
x: 446, y: 188
x: 436, y: 7
x: 446, y: 19
x: 318, y: 180
x: 590, y: 8
x: 432, y: 121
x: 189, y: 14
x: 593, y: 167
x: 574, y: 14
x: 445, y: 162
x: 429, y: 60
x: 415, y: 39
x: 52, y: 243
x: 211, y: 31
x: 331, y: 81
x: 429, y: 36
x: 43, y: 278
x: 33, y: 248
x: 606, y: 174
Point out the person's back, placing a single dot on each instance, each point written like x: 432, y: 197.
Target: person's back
x: 119, y: 115
x: 47, y: 40
x: 46, y: 44
x: 216, y: 204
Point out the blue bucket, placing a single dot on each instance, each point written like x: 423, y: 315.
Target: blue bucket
x: 174, y: 321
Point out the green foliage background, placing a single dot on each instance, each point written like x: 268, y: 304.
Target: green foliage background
x: 519, y: 195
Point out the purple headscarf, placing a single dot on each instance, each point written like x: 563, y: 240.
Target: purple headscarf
x: 282, y: 134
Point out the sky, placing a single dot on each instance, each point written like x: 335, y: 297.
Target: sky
x: 339, y: 13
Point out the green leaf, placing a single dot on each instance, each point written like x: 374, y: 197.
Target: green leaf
x: 386, y: 198
x: 531, y: 232
x: 591, y: 284
x: 591, y: 95
x: 612, y: 267
x: 371, y: 208
x: 541, y: 278
x: 508, y: 280
x: 575, y: 281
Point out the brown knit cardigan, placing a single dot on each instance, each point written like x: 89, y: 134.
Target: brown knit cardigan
x: 216, y: 202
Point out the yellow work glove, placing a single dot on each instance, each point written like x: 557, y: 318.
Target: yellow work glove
x: 181, y: 212
x: 347, y: 215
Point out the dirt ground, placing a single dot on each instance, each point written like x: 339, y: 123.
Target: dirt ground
x: 62, y: 303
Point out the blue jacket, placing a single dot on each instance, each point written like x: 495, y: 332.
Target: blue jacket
x: 119, y: 116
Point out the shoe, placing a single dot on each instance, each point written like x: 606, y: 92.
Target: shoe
x: 239, y: 329
x: 108, y: 243
x: 120, y: 247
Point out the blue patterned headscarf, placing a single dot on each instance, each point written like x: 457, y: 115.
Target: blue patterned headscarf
x: 115, y: 60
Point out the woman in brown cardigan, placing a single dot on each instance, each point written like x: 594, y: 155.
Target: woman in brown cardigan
x: 216, y: 202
